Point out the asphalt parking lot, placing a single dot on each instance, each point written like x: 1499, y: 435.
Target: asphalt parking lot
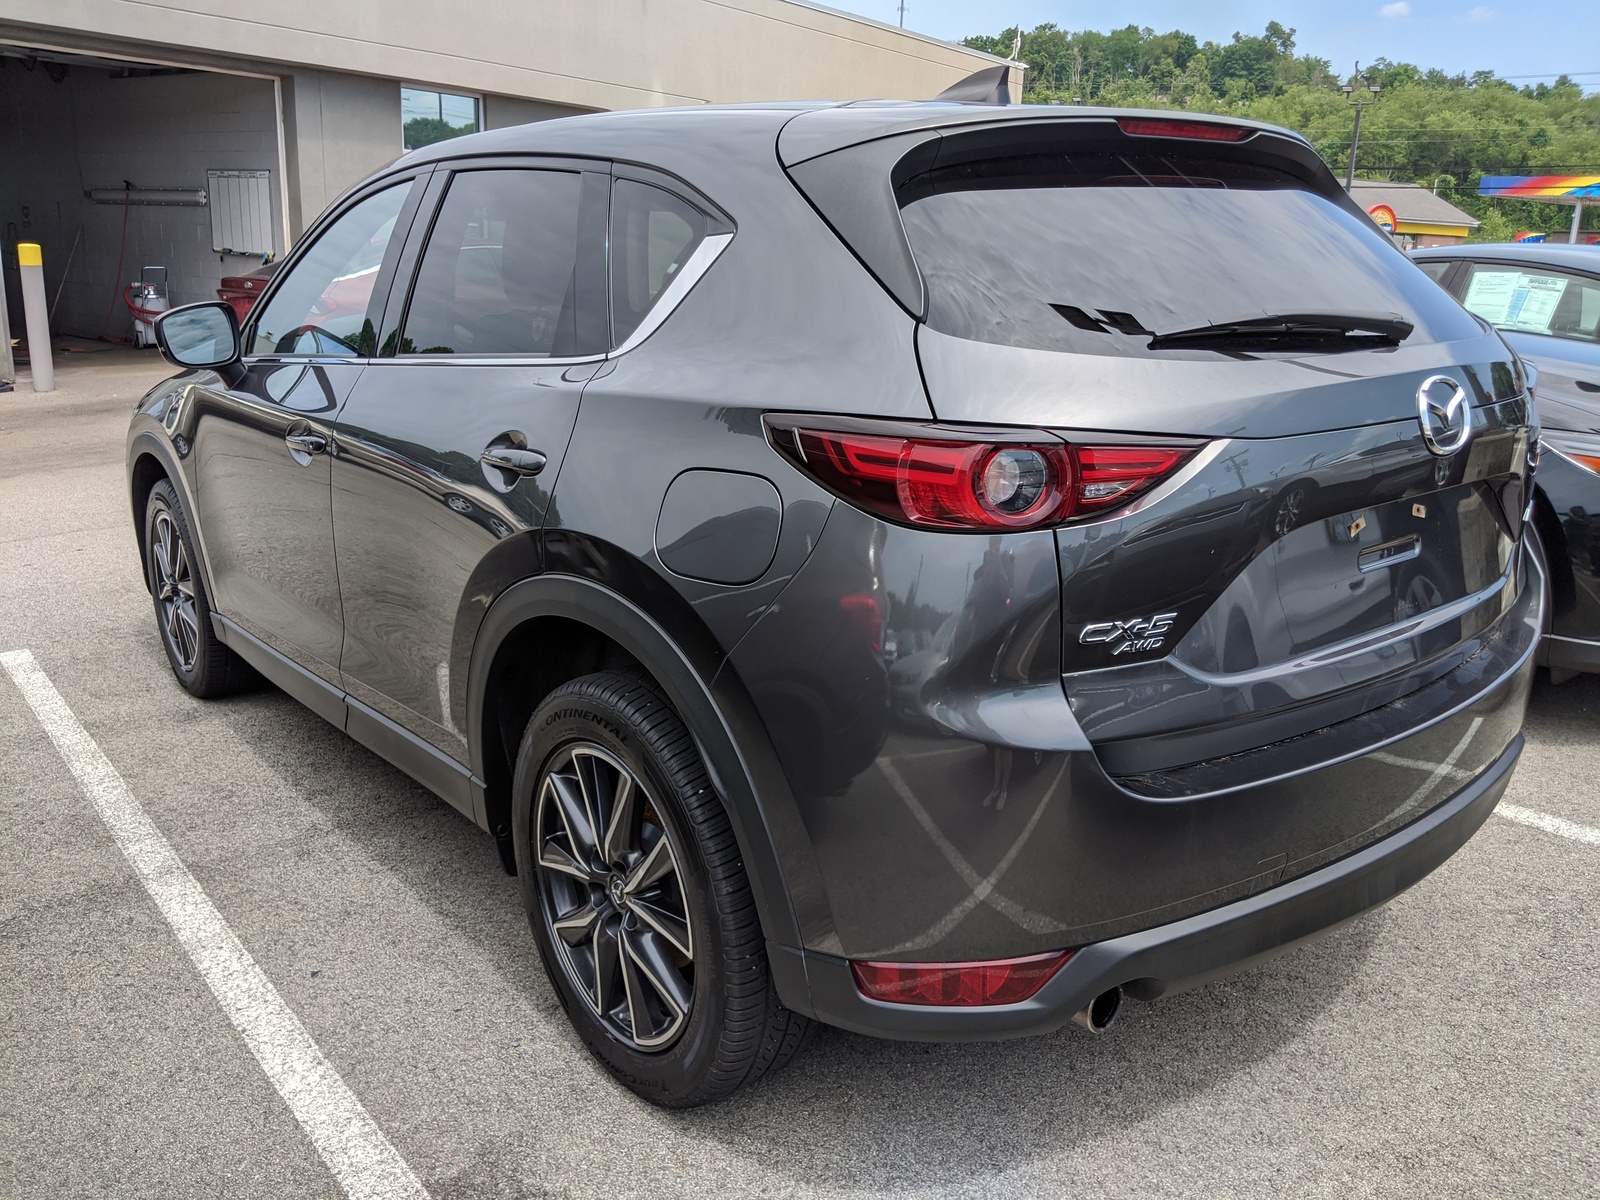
x: 1446, y: 1045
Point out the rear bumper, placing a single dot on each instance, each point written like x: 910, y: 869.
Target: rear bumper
x: 1173, y: 956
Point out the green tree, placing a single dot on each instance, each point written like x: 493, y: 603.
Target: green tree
x: 1427, y: 126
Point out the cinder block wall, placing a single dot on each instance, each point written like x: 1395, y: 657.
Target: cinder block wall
x: 95, y: 130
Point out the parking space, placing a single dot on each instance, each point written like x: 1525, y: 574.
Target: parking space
x: 1448, y: 1044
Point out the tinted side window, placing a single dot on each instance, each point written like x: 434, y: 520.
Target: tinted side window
x: 1532, y: 299
x: 653, y: 233
x: 323, y: 305
x: 499, y: 275
x: 1436, y: 268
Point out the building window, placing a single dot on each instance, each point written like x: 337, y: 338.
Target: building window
x: 430, y: 116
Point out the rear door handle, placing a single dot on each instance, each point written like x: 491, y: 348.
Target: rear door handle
x: 513, y: 460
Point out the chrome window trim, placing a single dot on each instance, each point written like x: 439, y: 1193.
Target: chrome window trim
x: 486, y: 360
x: 252, y: 360
x: 699, y: 263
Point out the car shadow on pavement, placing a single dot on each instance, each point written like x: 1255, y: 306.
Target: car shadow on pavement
x: 851, y: 1111
x: 863, y: 1113
x: 1568, y: 707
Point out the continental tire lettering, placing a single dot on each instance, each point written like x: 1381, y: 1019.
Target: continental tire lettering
x: 580, y: 714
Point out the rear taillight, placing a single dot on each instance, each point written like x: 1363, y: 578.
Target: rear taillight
x: 956, y: 483
x: 1203, y: 131
x: 962, y: 985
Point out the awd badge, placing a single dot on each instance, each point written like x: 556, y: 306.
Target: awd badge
x: 1133, y: 636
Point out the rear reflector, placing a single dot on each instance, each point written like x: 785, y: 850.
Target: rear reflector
x: 959, y: 985
x: 1202, y: 131
x: 953, y: 483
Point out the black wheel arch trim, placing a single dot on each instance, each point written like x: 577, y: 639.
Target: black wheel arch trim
x: 740, y: 766
x: 145, y: 443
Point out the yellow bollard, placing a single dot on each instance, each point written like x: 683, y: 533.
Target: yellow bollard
x: 36, y: 312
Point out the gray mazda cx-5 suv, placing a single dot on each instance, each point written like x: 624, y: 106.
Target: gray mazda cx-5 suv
x: 934, y: 569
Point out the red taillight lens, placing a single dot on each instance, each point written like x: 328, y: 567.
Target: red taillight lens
x: 1202, y: 131
x: 1106, y: 474
x: 951, y: 484
x: 970, y: 485
x: 963, y: 985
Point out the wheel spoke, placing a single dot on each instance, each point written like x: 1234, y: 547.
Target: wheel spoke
x: 578, y: 926
x: 673, y: 928
x: 591, y: 786
x: 172, y: 545
x: 574, y: 815
x: 606, y: 958
x: 649, y: 954
x: 655, y: 867
x: 619, y: 839
x: 556, y: 858
x: 633, y: 987
x: 160, y: 553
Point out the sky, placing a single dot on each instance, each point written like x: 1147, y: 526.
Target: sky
x: 1541, y: 38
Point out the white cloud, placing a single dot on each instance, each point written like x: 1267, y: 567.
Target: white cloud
x: 1482, y: 13
x: 1390, y: 12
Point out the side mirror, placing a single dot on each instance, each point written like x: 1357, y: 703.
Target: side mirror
x: 202, y: 337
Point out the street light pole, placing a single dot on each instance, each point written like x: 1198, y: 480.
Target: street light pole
x: 1349, y: 91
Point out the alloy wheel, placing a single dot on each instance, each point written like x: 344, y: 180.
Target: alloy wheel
x: 173, y: 583
x: 611, y: 886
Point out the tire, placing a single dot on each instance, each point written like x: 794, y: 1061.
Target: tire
x: 203, y: 665
x: 731, y: 1029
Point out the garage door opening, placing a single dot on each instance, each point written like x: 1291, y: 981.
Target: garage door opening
x: 114, y: 166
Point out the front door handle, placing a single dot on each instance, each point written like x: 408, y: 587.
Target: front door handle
x: 303, y: 442
x: 513, y: 460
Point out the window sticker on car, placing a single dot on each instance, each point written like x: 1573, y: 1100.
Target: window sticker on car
x: 1515, y: 299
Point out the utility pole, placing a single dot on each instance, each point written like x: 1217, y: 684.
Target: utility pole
x: 1350, y: 94
x: 902, y: 14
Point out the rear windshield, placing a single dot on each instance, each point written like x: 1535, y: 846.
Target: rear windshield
x: 1093, y: 252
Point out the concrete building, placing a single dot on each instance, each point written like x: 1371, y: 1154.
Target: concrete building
x: 200, y: 135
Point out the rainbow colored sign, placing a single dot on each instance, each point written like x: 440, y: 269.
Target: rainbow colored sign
x: 1542, y: 187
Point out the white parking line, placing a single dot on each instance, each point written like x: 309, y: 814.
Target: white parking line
x: 1557, y: 825
x: 1511, y: 812
x: 363, y: 1161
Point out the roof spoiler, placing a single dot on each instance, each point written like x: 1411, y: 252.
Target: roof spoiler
x: 992, y: 85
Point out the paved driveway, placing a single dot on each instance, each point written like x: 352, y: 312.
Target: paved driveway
x: 1448, y: 1044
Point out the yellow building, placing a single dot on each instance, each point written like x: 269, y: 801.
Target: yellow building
x: 1421, y: 218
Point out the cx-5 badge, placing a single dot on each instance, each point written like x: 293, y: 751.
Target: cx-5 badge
x: 1444, y: 414
x: 1132, y: 636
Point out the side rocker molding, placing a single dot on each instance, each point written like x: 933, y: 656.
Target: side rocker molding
x: 641, y: 636
x: 440, y: 774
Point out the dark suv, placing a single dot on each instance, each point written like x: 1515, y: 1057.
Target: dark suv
x: 929, y: 568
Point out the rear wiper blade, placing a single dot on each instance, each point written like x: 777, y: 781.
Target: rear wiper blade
x: 1351, y: 331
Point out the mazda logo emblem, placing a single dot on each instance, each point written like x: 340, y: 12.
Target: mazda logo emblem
x: 1444, y: 414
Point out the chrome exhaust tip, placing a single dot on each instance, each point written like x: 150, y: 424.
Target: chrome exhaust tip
x: 1097, y: 1015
